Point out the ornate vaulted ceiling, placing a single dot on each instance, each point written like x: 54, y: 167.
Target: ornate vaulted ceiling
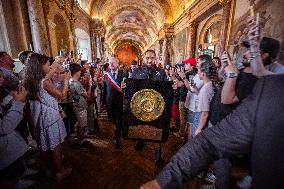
x: 136, y: 21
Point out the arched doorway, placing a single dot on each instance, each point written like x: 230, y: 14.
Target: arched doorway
x: 62, y: 35
x: 83, y: 44
x: 209, y: 39
x: 126, y: 52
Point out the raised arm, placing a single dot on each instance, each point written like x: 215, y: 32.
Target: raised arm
x: 15, y: 114
x: 254, y: 39
x: 51, y: 89
x: 229, y: 95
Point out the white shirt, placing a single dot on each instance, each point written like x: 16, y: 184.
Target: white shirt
x: 193, y: 103
x: 116, y: 73
x: 205, y: 96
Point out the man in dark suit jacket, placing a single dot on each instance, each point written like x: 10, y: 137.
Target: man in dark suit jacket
x: 114, y: 97
x: 255, y: 126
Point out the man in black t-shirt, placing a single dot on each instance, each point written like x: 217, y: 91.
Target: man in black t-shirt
x: 238, y: 85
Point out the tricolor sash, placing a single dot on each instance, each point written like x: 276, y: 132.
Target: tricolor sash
x: 113, y: 83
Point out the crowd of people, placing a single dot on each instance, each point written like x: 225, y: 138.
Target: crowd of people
x: 242, y: 113
x: 224, y: 109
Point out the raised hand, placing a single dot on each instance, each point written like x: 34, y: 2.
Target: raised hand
x: 67, y: 76
x: 225, y: 59
x: 20, y: 95
x: 254, y: 32
x: 180, y: 72
x: 171, y: 72
x: 123, y: 84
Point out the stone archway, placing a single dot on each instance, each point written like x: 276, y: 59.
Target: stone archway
x: 83, y: 44
x: 61, y: 34
x: 209, y: 38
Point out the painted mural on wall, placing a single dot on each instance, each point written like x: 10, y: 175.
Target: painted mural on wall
x: 126, y: 53
x: 179, y: 46
x: 272, y: 25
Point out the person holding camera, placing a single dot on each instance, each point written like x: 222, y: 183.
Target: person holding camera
x: 66, y: 105
x: 12, y: 146
x: 251, y: 128
x: 188, y: 68
x: 44, y: 97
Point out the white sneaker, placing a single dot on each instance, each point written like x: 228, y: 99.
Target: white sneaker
x: 23, y: 183
x: 245, y: 183
x: 210, y: 177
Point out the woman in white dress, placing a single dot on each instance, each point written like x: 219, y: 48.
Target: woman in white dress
x: 44, y: 97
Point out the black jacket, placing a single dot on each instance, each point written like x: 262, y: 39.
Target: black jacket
x: 152, y: 73
x: 256, y: 126
x: 113, y: 99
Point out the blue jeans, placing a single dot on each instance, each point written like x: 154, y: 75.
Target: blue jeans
x: 196, y: 118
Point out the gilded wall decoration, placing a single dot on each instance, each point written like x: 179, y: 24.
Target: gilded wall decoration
x: 272, y: 25
x: 126, y: 53
x: 179, y: 46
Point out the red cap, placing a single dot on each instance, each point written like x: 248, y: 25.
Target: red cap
x: 191, y: 61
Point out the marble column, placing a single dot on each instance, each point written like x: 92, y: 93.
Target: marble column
x: 164, y: 51
x: 226, y: 4
x: 167, y: 51
x: 38, y: 27
x: 170, y: 57
x: 191, y: 39
x: 93, y: 46
x: 102, y: 47
x: 160, y: 51
x: 98, y: 47
x: 20, y: 35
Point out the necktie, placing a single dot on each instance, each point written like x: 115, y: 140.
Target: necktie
x: 113, y: 76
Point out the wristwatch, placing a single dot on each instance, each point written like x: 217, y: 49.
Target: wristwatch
x: 231, y: 75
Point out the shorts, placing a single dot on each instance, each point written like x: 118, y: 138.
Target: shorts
x: 190, y: 116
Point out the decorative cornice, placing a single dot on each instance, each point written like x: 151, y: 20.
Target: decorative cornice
x: 68, y: 7
x: 168, y: 29
x: 193, y: 24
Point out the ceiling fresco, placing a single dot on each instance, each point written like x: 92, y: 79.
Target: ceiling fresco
x: 134, y: 21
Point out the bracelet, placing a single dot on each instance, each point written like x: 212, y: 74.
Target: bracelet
x: 253, y: 56
x: 255, y: 52
x: 231, y: 75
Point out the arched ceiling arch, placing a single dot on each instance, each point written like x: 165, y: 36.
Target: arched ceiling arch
x: 137, y: 44
x: 136, y: 21
x: 96, y: 6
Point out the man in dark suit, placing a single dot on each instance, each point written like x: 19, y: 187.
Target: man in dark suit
x: 256, y: 126
x: 114, y: 97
